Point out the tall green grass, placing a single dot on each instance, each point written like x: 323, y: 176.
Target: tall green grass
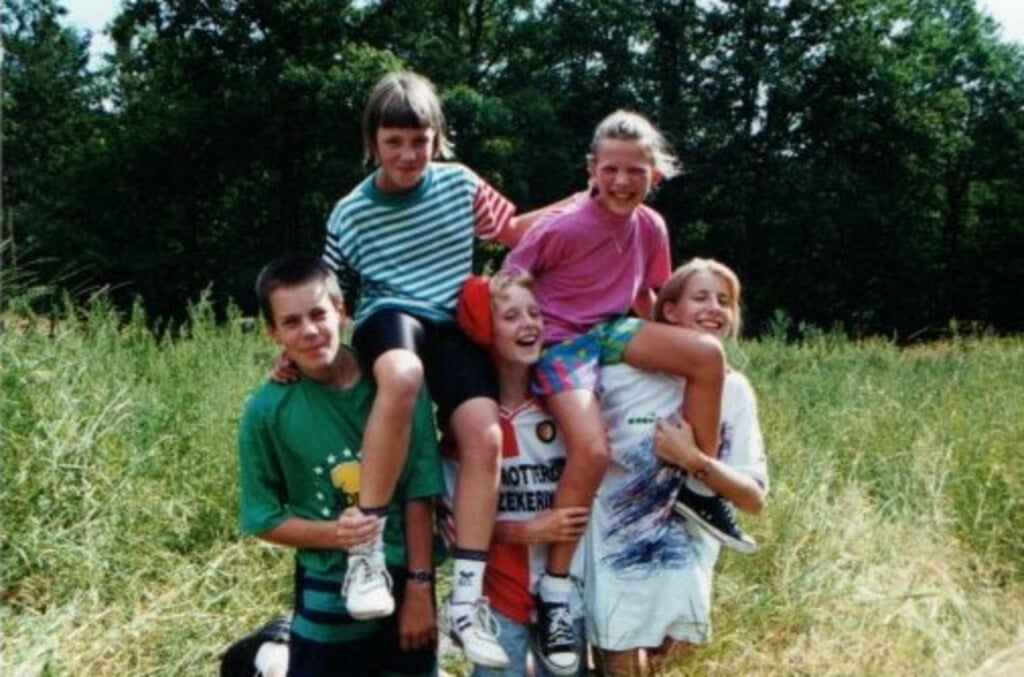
x: 120, y: 550
x: 891, y: 543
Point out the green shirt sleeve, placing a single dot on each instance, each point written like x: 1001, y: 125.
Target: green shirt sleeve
x: 261, y: 480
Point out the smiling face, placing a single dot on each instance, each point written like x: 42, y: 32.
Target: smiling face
x: 402, y: 154
x: 517, y: 326
x: 707, y: 303
x: 307, y: 325
x: 622, y: 172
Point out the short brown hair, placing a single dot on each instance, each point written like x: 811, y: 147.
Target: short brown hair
x: 404, y: 99
x: 293, y: 270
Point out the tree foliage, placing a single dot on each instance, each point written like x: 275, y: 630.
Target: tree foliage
x: 52, y: 130
x: 857, y: 162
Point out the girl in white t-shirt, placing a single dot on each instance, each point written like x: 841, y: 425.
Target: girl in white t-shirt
x: 648, y: 572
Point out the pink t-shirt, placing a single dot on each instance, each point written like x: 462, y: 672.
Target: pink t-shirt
x: 590, y: 264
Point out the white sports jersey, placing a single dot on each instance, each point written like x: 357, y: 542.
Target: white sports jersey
x: 533, y: 458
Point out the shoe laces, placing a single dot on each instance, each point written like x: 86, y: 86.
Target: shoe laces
x: 484, y: 618
x: 727, y: 515
x: 361, y: 571
x: 480, y: 617
x: 560, y: 628
x: 729, y: 518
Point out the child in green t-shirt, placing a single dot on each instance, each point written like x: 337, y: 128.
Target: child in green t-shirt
x: 299, y: 453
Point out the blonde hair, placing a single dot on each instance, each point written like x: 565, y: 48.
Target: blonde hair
x: 676, y: 285
x: 504, y: 280
x: 404, y: 99
x: 623, y: 125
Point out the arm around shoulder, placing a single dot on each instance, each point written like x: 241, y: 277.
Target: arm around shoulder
x: 518, y: 225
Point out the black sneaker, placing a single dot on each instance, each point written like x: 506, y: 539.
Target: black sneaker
x: 555, y: 638
x: 714, y: 515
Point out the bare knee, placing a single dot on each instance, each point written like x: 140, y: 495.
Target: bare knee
x: 478, y: 434
x: 709, y: 362
x: 399, y: 377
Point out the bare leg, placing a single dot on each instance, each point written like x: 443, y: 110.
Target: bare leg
x: 698, y: 358
x: 668, y: 656
x: 477, y: 432
x: 578, y: 415
x: 478, y: 437
x: 620, y: 663
x: 581, y: 425
x: 399, y: 377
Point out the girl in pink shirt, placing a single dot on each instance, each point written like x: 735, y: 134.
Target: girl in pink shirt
x: 593, y: 263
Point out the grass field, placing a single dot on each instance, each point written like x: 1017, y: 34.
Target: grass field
x: 891, y: 544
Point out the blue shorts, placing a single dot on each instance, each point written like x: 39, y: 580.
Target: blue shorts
x: 574, y: 364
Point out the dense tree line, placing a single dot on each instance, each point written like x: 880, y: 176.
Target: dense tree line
x: 858, y: 161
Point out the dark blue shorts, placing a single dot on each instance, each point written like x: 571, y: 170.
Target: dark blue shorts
x: 376, y: 653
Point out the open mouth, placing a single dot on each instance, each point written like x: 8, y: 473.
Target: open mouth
x: 528, y: 340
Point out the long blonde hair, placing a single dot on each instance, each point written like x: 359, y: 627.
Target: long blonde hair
x: 676, y: 284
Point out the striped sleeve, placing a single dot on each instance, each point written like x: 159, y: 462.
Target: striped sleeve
x: 334, y: 256
x: 491, y: 212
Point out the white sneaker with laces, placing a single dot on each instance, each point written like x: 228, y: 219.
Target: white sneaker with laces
x: 472, y: 627
x: 367, y: 587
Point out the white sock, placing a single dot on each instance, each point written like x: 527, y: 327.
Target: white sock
x: 467, y: 580
x: 375, y: 544
x: 556, y: 589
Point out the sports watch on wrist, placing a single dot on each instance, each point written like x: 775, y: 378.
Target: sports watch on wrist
x: 419, y: 575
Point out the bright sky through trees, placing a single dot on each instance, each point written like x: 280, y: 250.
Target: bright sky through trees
x: 93, y: 15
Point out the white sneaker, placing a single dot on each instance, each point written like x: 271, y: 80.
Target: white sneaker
x: 472, y: 627
x: 367, y: 587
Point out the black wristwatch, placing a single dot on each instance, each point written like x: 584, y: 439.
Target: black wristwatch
x: 419, y: 575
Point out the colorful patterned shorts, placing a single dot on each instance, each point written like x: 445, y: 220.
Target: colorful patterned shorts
x: 574, y: 364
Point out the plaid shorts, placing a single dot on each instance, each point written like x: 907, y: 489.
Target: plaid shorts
x: 574, y: 364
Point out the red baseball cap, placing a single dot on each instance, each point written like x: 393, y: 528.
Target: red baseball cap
x: 473, y: 312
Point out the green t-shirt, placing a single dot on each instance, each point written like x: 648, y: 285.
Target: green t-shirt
x: 299, y: 449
